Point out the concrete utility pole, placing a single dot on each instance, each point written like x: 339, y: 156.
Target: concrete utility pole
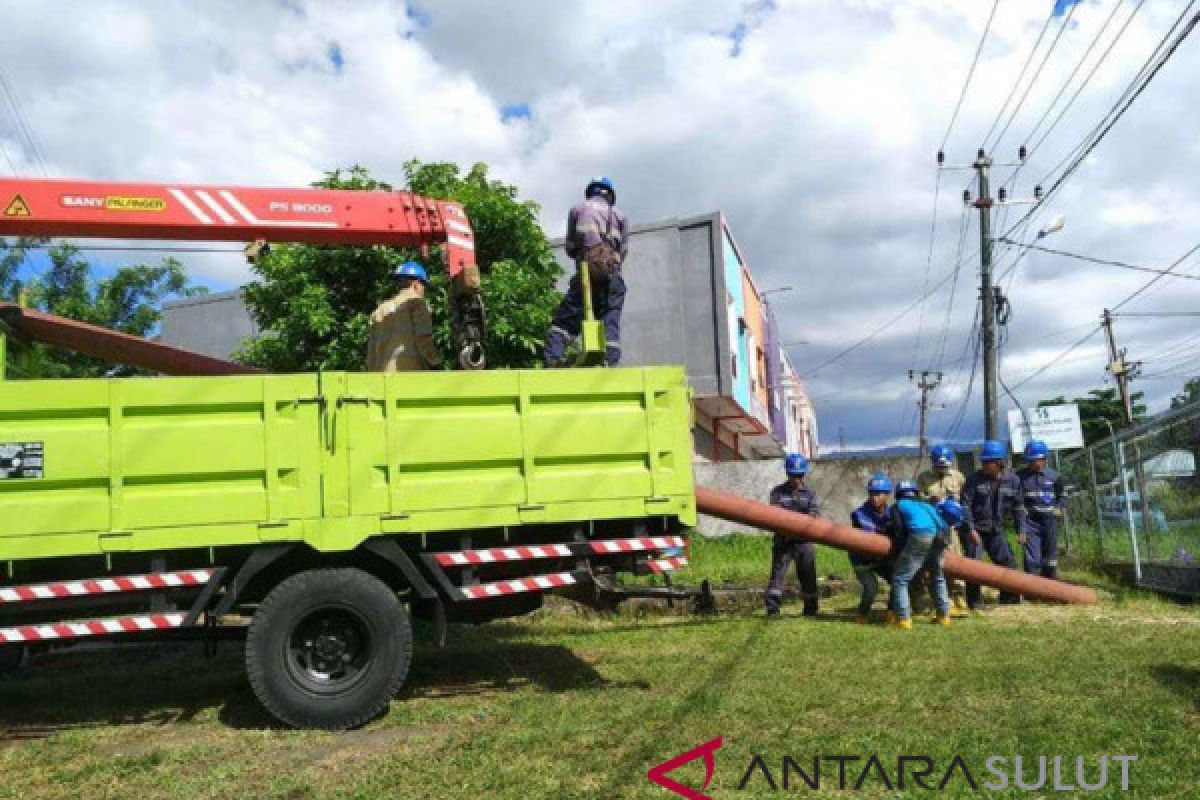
x: 927, y: 383
x: 987, y: 299
x: 1123, y: 372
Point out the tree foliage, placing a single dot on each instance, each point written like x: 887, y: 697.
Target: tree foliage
x: 313, y: 303
x: 129, y: 301
x: 1098, y: 406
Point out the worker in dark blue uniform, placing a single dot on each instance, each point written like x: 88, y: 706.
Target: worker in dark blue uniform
x: 873, y: 516
x: 597, y: 235
x: 1042, y: 494
x: 793, y: 495
x: 991, y: 495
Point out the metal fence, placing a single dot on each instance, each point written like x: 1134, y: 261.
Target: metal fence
x: 1134, y: 502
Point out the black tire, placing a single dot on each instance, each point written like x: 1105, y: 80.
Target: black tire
x: 328, y: 649
x: 12, y: 656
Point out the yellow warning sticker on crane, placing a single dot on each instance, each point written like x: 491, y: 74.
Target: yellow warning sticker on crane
x: 17, y: 207
x: 117, y: 203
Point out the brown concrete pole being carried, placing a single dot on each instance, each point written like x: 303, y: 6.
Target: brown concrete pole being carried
x: 824, y: 531
x: 115, y: 347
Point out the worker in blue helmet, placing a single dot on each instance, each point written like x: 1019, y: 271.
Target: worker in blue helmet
x: 598, y: 239
x: 940, y: 481
x: 1042, y: 494
x: 992, y: 497
x: 926, y: 536
x: 793, y: 495
x: 400, y: 331
x: 873, y: 516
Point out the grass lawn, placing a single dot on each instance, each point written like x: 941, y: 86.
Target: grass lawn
x: 564, y: 705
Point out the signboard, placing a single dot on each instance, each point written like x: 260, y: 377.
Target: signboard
x: 1057, y: 426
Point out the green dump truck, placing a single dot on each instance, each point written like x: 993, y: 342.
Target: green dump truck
x: 316, y: 514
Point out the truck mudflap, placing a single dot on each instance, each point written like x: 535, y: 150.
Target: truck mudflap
x: 455, y: 571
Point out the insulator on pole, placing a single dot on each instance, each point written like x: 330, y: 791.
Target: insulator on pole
x: 941, y: 158
x: 1037, y: 192
x: 966, y: 197
x: 1022, y: 153
x: 1002, y: 195
x: 981, y: 154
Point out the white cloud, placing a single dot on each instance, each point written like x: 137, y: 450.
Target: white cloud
x: 817, y: 141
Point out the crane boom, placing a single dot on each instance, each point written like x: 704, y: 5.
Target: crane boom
x: 183, y: 212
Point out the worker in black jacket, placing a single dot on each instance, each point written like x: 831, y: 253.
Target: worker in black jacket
x: 793, y: 495
x: 991, y: 495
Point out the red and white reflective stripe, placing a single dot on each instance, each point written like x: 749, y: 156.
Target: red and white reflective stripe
x: 667, y: 564
x: 636, y: 545
x: 535, y: 584
x: 127, y: 583
x: 500, y: 554
x: 95, y: 627
x: 496, y: 555
x: 224, y: 206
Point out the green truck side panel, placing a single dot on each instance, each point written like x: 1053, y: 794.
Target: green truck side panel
x: 147, y: 464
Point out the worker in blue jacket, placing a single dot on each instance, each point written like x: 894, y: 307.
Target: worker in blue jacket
x: 927, y: 535
x: 991, y: 495
x: 793, y: 495
x: 873, y: 516
x: 1042, y: 495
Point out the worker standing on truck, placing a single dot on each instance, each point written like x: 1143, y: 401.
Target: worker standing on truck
x: 400, y: 332
x: 1042, y: 495
x: 598, y: 236
x: 873, y: 516
x: 793, y: 495
x: 990, y: 496
x: 943, y: 480
x: 926, y: 535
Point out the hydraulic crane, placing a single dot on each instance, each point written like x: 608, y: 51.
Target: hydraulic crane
x: 182, y: 212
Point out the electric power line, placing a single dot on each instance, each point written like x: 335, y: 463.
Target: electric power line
x: 1092, y: 260
x: 1036, y: 74
x: 1016, y: 84
x: 970, y: 73
x: 1137, y: 86
x: 22, y: 125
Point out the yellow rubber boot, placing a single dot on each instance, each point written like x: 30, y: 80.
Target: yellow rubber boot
x: 904, y: 624
x: 943, y: 620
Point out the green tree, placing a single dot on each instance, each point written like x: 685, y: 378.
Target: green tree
x: 313, y: 303
x: 1098, y: 406
x: 1190, y: 393
x: 128, y: 301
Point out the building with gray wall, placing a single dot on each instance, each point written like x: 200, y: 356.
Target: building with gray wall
x: 213, y: 324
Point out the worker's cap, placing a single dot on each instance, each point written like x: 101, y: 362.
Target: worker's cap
x: 411, y: 269
x: 993, y: 450
x: 1035, y: 450
x: 795, y: 464
x: 601, y: 182
x: 941, y: 455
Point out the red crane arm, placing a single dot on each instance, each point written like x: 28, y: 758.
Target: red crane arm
x: 182, y: 212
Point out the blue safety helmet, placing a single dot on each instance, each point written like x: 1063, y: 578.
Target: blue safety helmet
x: 795, y: 464
x: 1035, y: 449
x: 907, y: 489
x: 411, y: 269
x: 941, y: 455
x: 951, y: 511
x: 879, y: 484
x: 993, y: 451
x: 601, y: 183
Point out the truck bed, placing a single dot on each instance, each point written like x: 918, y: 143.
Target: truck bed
x: 92, y: 467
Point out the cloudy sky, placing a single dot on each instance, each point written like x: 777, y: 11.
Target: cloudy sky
x: 812, y: 124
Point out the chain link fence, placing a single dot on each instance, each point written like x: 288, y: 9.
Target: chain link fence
x: 1133, y: 502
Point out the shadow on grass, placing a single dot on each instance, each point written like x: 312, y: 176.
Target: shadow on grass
x: 170, y: 685
x: 1182, y: 680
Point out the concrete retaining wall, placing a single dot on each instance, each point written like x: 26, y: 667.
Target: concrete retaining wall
x: 839, y: 483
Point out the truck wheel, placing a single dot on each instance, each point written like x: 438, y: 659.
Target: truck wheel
x: 12, y: 656
x: 328, y: 649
